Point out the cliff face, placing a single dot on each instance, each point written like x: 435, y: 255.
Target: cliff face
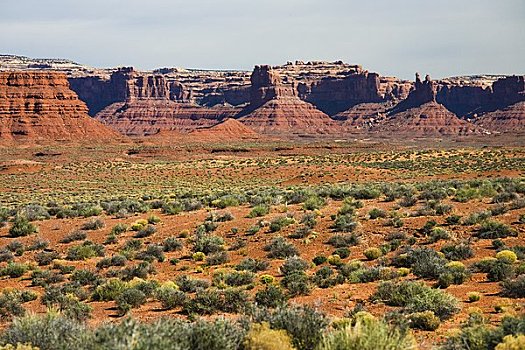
x: 423, y: 92
x: 126, y: 84
x: 464, y: 100
x: 420, y: 115
x: 275, y: 109
x: 145, y: 104
x: 333, y: 95
x: 468, y: 101
x: 40, y: 106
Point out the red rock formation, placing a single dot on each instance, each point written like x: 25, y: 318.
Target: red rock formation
x: 40, y: 106
x: 364, y: 115
x: 469, y: 101
x: 275, y: 109
x: 420, y: 115
x: 428, y: 119
x: 422, y: 93
x: 333, y: 95
x: 508, y: 120
x: 463, y: 100
x: 228, y: 130
x: 142, y: 117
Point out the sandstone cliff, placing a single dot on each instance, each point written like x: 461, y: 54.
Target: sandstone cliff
x: 275, y: 108
x: 420, y: 115
x: 40, y: 106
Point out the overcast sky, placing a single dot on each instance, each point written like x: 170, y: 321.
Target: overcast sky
x: 392, y: 37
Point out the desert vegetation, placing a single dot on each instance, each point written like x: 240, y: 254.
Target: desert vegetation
x: 389, y: 262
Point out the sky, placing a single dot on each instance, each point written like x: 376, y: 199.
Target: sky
x: 392, y: 37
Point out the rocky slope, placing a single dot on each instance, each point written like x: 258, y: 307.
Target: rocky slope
x: 420, y: 115
x: 427, y: 120
x: 363, y: 116
x: 40, y: 106
x: 276, y: 109
x: 508, y: 120
x: 142, y: 117
x: 227, y: 130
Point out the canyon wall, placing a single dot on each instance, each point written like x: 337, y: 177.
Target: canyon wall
x: 40, y: 106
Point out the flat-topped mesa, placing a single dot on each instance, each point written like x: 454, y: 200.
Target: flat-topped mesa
x: 40, y: 106
x: 423, y: 92
x: 474, y: 100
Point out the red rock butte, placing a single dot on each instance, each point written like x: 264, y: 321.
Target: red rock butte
x: 40, y: 106
x: 275, y: 108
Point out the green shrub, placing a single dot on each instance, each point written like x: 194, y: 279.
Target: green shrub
x: 130, y: 298
x: 233, y: 278
x: 74, y: 236
x: 314, y: 203
x: 495, y: 269
x: 279, y: 223
x: 319, y: 260
x: 437, y: 234
x: 191, y: 285
x: 294, y: 264
x: 209, y: 301
x: 109, y: 290
x: 253, y: 265
x: 85, y: 251
x: 425, y: 262
x: 271, y: 296
x: 22, y: 227
x: 145, y: 231
x: 507, y: 256
x: 494, y: 229
x: 478, y: 334
x: 208, y: 244
x: 425, y: 320
x: 304, y: 324
x: 280, y: 248
x: 453, y: 219
x: 343, y: 240
x: 95, y: 224
x: 367, y: 333
x: 417, y: 297
x: 297, y: 283
x: 14, y: 270
x: 115, y: 260
x: 458, y: 251
x: 50, y: 331
x: 453, y: 273
x: 259, y: 211
x: 325, y: 278
x: 372, y: 253
x: 473, y: 297
x: 514, y: 288
x: 344, y: 223
x: 217, y: 258
x: 261, y: 337
x: 119, y: 229
x: 377, y: 213
x: 170, y: 298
